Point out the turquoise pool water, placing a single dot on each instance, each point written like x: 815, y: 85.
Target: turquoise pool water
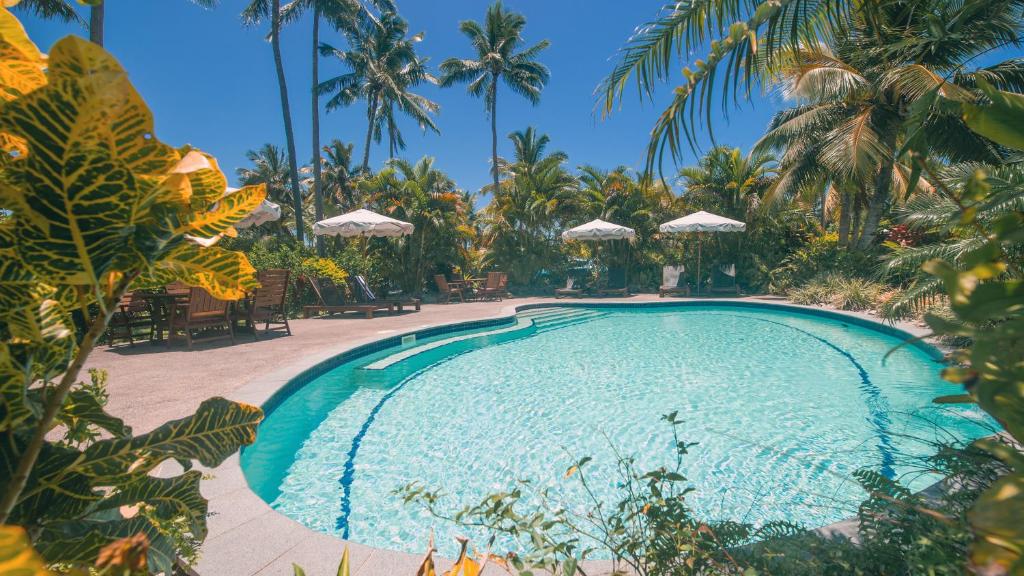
x: 784, y: 406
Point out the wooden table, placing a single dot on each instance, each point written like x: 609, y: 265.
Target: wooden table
x: 162, y: 305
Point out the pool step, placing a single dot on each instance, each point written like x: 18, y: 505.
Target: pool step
x: 527, y: 322
x: 521, y: 324
x: 577, y: 317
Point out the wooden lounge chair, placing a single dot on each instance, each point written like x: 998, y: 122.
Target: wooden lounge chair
x: 201, y: 312
x: 267, y: 304
x: 723, y: 280
x: 492, y: 289
x: 616, y: 283
x: 361, y: 288
x: 673, y: 282
x: 331, y: 300
x: 570, y: 289
x: 445, y: 291
x: 132, y: 312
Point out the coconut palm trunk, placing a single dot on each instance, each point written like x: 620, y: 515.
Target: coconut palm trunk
x: 371, y: 113
x: 880, y: 199
x: 293, y: 169
x: 845, y: 201
x: 493, y: 97
x: 96, y: 17
x: 318, y: 198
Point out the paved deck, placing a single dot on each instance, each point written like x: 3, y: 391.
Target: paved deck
x: 149, y: 385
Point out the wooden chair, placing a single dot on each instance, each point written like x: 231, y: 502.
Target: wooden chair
x: 268, y: 301
x: 361, y: 288
x: 570, y: 289
x: 673, y: 282
x: 445, y: 291
x: 201, y: 312
x: 492, y: 289
x: 132, y: 312
x: 331, y: 300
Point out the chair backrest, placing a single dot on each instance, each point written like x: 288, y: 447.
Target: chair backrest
x: 273, y: 288
x: 130, y: 303
x: 502, y: 280
x: 670, y: 276
x: 326, y: 291
x: 728, y: 270
x: 176, y: 288
x: 617, y: 277
x: 570, y: 283
x: 364, y: 288
x: 201, y: 301
x: 493, y: 281
x: 442, y: 283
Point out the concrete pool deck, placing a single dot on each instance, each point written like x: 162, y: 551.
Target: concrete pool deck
x: 149, y: 385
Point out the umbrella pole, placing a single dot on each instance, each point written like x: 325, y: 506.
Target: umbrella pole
x: 698, y: 263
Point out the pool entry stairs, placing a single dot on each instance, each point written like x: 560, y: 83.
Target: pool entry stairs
x: 527, y: 323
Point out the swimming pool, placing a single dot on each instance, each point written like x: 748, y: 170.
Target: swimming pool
x: 785, y: 406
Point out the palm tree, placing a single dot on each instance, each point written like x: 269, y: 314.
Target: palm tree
x: 728, y: 182
x: 496, y: 42
x: 63, y: 10
x: 945, y: 35
x: 856, y: 95
x: 270, y: 167
x: 382, y: 68
x: 337, y: 175
x: 425, y: 196
x: 255, y: 13
x: 525, y: 213
x: 341, y: 15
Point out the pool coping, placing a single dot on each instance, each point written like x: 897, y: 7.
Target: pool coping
x: 247, y: 536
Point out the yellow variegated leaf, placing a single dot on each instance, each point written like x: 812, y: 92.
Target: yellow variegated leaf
x: 343, y: 566
x: 207, y: 181
x: 427, y: 565
x: 14, y: 381
x: 21, y: 55
x: 229, y: 210
x: 225, y: 274
x: 464, y: 565
x: 16, y: 554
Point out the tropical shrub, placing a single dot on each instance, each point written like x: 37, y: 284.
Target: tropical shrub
x: 96, y: 206
x: 822, y: 255
x: 844, y: 293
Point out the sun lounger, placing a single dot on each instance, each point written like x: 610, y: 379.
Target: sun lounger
x: 361, y: 288
x: 570, y: 289
x: 330, y: 300
x: 723, y: 280
x: 673, y: 282
x: 616, y: 283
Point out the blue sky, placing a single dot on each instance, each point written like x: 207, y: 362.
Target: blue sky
x: 211, y: 83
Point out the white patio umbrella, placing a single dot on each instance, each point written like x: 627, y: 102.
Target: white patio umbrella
x: 364, y: 223
x: 597, y: 230
x: 702, y: 222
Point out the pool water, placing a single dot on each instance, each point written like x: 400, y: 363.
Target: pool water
x: 784, y: 406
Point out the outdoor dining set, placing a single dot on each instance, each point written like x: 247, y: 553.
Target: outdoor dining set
x: 185, y: 312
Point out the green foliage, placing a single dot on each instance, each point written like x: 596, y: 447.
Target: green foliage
x: 98, y: 205
x: 844, y: 293
x: 820, y: 257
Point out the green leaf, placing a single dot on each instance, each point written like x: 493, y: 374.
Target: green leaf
x: 996, y: 516
x: 223, y: 273
x: 178, y: 496
x: 955, y: 399
x: 217, y: 429
x: 1002, y: 120
x: 297, y: 570
x: 83, y: 405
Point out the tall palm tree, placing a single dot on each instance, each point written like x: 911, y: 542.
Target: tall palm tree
x: 382, y: 69
x: 341, y: 15
x: 270, y: 167
x: 255, y: 13
x: 496, y: 42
